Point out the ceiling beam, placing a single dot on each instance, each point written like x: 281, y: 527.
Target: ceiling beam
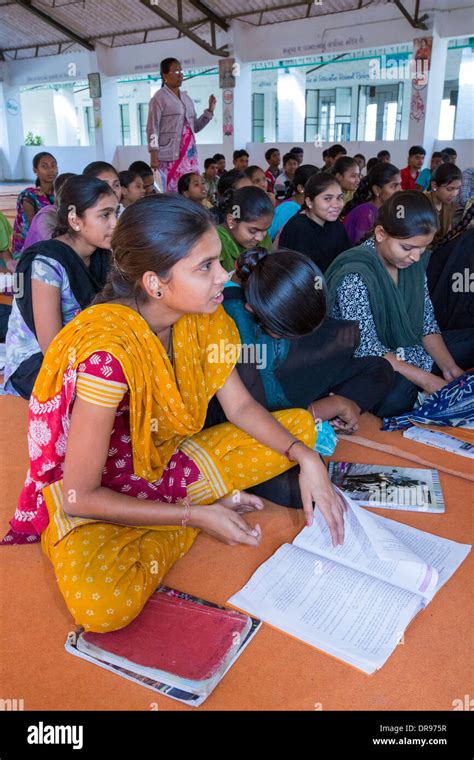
x: 185, y: 29
x: 218, y: 20
x: 26, y: 4
x: 416, y: 21
x: 287, y: 6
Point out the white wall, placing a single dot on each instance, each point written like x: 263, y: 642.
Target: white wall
x: 39, y: 116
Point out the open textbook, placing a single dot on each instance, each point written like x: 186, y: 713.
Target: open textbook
x: 352, y: 601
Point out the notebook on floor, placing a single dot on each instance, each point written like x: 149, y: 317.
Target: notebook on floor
x: 440, y: 440
x: 179, y: 645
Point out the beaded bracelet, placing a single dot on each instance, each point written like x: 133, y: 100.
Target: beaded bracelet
x: 187, y: 512
x: 287, y: 451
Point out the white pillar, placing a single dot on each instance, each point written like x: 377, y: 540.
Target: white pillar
x: 107, y: 120
x: 426, y: 96
x: 12, y: 131
x: 291, y: 90
x: 242, y: 106
x: 66, y: 117
x: 465, y: 107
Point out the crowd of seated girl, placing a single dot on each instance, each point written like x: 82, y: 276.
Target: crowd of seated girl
x: 334, y: 280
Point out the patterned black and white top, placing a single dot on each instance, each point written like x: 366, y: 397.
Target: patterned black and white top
x: 352, y: 302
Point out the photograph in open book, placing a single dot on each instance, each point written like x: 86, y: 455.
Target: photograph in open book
x: 389, y: 487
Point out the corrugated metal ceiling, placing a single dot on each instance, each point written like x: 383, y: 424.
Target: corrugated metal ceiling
x: 130, y: 22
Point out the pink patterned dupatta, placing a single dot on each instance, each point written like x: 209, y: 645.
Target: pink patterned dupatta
x: 187, y: 161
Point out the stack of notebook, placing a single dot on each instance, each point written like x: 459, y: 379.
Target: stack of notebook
x: 178, y: 645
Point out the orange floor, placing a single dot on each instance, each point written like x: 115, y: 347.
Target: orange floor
x: 431, y: 669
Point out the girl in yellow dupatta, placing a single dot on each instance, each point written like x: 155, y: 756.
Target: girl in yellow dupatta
x: 122, y: 477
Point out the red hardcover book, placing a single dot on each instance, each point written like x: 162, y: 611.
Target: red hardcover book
x: 176, y: 636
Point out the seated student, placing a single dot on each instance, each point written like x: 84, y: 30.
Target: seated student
x: 325, y: 167
x: 146, y: 173
x: 426, y: 175
x: 299, y: 355
x: 258, y: 178
x: 45, y: 221
x: 283, y: 181
x: 332, y: 154
x: 135, y: 493
x: 371, y: 163
x: 231, y: 180
x: 131, y: 186
x: 347, y: 172
x: 273, y: 158
x: 105, y: 172
x: 240, y: 159
x: 451, y: 155
x: 32, y: 199
x: 382, y: 284
x: 6, y: 260
x: 298, y: 153
x: 294, y: 201
x: 450, y: 259
x: 409, y: 175
x: 360, y: 158
x: 248, y: 214
x: 384, y: 155
x: 467, y: 187
x: 318, y: 232
x: 445, y: 186
x: 210, y: 179
x: 360, y: 213
x: 219, y: 158
x: 60, y: 277
x: 191, y: 185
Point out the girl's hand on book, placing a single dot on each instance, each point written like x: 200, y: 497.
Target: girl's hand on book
x: 316, y: 487
x: 225, y: 525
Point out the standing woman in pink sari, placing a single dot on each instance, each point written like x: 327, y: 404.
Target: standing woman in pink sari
x: 172, y: 123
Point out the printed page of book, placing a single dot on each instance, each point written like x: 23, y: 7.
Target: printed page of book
x: 442, y: 553
x: 370, y: 546
x: 344, y: 612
